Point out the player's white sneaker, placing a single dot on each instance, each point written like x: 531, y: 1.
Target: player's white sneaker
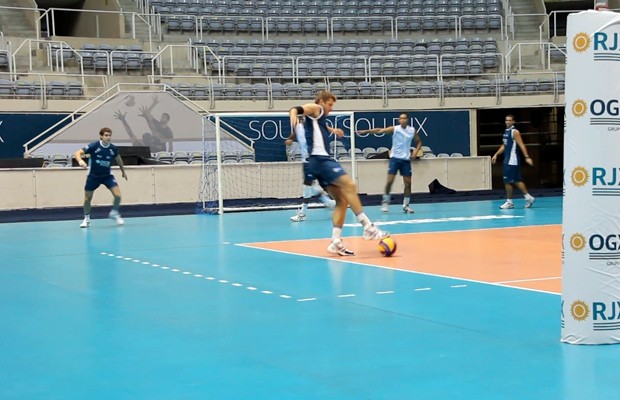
x: 529, y: 202
x: 408, y: 210
x: 371, y: 232
x: 85, y: 223
x: 385, y: 206
x: 337, y: 247
x: 300, y: 216
x: 114, y: 214
x: 507, y: 205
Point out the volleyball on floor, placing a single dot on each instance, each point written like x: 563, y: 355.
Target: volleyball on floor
x: 387, y: 246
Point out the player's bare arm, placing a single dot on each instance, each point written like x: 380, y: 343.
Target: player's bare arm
x: 387, y: 129
x: 78, y: 157
x: 517, y: 137
x: 119, y: 162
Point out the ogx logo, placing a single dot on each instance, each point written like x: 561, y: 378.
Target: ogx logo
x: 602, y: 111
x: 601, y: 246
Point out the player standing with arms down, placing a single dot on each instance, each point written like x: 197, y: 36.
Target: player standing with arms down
x: 329, y: 172
x: 512, y: 163
x: 101, y: 154
x: 400, y: 159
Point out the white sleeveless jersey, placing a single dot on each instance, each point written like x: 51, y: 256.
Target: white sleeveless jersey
x: 401, y: 142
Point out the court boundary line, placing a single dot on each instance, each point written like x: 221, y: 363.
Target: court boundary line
x: 344, y: 260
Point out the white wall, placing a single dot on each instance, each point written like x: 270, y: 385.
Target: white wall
x: 163, y: 184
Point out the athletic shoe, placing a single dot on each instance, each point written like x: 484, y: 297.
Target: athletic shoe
x: 507, y: 205
x: 85, y: 223
x: 337, y: 247
x: 114, y: 214
x: 529, y: 202
x: 408, y: 210
x: 371, y: 232
x: 300, y: 216
x: 385, y: 206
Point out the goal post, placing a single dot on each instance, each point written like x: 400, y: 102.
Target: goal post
x: 247, y: 166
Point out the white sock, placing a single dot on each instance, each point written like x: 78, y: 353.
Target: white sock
x: 304, y: 207
x: 336, y: 233
x: 386, y: 198
x: 363, y: 219
x: 406, y: 201
x: 87, y: 216
x: 528, y: 196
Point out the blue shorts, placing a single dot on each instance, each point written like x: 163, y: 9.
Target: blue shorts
x: 399, y: 165
x: 308, y: 177
x: 93, y: 182
x: 512, y: 173
x: 325, y: 169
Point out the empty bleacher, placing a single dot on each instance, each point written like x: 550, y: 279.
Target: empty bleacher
x: 218, y: 50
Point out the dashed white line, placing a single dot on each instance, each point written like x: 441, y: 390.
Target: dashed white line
x: 283, y: 296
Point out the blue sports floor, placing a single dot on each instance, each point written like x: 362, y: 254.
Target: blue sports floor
x: 178, y: 307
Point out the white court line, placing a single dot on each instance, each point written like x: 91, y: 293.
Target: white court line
x: 256, y: 246
x: 550, y: 278
x: 307, y: 299
x: 424, y: 289
x: 385, y: 292
x: 347, y: 295
x: 433, y: 220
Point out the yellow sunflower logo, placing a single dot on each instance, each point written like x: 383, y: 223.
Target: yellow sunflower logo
x: 579, y: 310
x: 580, y: 107
x: 581, y: 42
x: 577, y: 241
x: 579, y: 176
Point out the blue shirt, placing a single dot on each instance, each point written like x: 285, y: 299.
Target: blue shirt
x: 317, y: 135
x: 510, y: 148
x: 100, y: 158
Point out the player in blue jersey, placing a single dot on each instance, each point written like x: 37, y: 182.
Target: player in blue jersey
x: 400, y: 158
x: 514, y: 149
x: 309, y: 190
x: 101, y: 155
x: 329, y: 172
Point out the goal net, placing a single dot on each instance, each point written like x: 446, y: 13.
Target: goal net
x: 247, y: 166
